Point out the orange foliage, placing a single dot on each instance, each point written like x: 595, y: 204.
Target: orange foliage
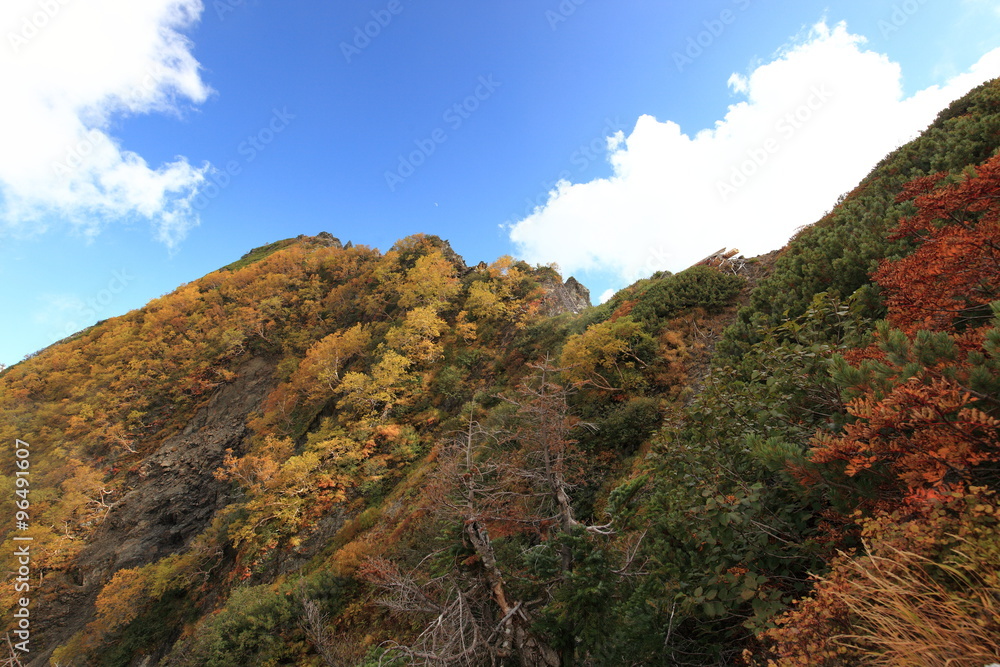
x: 353, y: 555
x: 924, y: 434
x: 256, y: 472
x: 120, y: 601
x: 955, y: 271
x: 925, y: 431
x: 925, y: 591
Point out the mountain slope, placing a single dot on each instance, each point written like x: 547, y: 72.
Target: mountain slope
x: 325, y: 454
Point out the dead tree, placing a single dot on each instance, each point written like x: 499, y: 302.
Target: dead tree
x: 13, y: 658
x: 474, y: 618
x: 313, y: 623
x: 493, y: 483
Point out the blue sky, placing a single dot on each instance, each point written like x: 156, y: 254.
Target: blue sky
x: 144, y: 151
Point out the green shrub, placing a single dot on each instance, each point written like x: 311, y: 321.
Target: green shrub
x: 698, y: 287
x: 625, y: 427
x: 252, y: 629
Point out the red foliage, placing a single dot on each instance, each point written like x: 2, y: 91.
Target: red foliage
x: 955, y: 271
x: 924, y: 435
x: 927, y: 433
x: 622, y: 310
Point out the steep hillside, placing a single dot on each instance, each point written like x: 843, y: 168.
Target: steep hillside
x: 239, y: 429
x: 323, y: 454
x: 838, y: 253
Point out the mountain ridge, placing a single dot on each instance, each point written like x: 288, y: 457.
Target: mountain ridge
x: 308, y: 455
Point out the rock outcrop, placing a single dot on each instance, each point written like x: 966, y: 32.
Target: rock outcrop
x: 172, y: 497
x: 568, y: 297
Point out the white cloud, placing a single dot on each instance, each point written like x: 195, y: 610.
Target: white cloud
x: 813, y: 122
x: 69, y: 70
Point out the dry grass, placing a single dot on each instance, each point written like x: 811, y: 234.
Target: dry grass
x: 909, y: 610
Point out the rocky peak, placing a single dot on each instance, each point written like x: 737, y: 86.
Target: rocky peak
x: 568, y: 297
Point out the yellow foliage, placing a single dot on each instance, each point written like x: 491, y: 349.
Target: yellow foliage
x: 120, y: 601
x: 485, y: 302
x: 67, y: 653
x: 603, y: 354
x: 417, y: 337
x: 347, y: 560
x: 371, y: 397
x: 465, y: 328
x: 431, y: 283
x: 320, y: 370
x: 85, y: 499
x: 503, y: 298
x: 301, y: 489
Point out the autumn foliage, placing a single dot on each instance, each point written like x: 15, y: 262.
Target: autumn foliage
x: 925, y: 421
x: 948, y: 282
x: 922, y: 591
x: 921, y: 446
x: 327, y: 454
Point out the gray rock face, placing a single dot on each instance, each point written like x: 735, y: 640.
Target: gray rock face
x: 177, y: 494
x: 568, y: 297
x: 173, y: 497
x: 329, y: 240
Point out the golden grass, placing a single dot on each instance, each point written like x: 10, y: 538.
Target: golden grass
x: 909, y: 610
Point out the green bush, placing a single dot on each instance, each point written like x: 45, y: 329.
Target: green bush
x: 248, y: 630
x: 625, y: 427
x: 698, y: 287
